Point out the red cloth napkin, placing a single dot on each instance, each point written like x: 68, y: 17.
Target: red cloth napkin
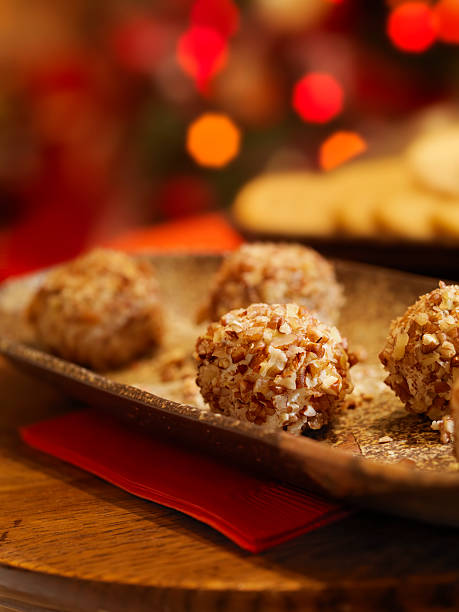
x: 253, y: 512
x: 204, y: 233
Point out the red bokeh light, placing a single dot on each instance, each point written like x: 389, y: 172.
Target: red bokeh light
x: 447, y: 14
x: 139, y: 43
x: 318, y: 97
x: 222, y: 16
x: 201, y: 53
x: 412, y: 27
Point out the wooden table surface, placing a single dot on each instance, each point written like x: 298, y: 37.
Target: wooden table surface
x: 71, y: 542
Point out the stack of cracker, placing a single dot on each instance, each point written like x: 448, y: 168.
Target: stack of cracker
x: 409, y: 197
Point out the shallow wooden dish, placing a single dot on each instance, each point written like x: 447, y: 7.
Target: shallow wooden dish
x: 348, y: 462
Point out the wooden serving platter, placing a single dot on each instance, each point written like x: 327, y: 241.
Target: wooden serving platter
x: 71, y: 542
x: 414, y: 474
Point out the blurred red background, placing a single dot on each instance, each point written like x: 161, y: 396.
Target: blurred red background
x: 106, y: 108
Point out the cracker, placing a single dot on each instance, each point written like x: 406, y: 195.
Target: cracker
x: 296, y: 203
x: 433, y: 160
x: 446, y: 220
x: 407, y: 215
x: 355, y: 216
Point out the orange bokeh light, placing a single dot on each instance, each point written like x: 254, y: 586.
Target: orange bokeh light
x: 447, y: 14
x: 339, y: 148
x: 213, y: 140
x: 412, y: 27
x: 318, y: 97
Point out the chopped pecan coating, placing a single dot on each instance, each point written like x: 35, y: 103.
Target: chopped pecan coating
x: 275, y: 274
x: 100, y: 310
x: 291, y: 377
x: 421, y: 355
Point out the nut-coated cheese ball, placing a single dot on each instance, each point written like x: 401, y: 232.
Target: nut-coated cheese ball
x: 274, y: 365
x: 100, y: 310
x: 275, y: 274
x: 421, y: 352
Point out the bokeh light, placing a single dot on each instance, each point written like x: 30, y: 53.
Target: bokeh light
x: 318, y: 97
x: 213, y: 140
x: 339, y: 148
x: 222, y: 16
x: 97, y: 98
x: 447, y: 14
x: 201, y: 53
x: 412, y: 27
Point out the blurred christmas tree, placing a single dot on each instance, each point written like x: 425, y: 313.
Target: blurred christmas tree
x: 98, y: 99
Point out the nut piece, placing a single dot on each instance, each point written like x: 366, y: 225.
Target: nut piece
x: 275, y: 274
x: 100, y: 310
x: 421, y: 319
x: 429, y: 343
x: 283, y: 380
x: 421, y: 354
x: 447, y: 350
x: 400, y: 345
x: 446, y: 428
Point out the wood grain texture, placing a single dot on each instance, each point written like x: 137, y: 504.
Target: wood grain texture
x: 69, y: 541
